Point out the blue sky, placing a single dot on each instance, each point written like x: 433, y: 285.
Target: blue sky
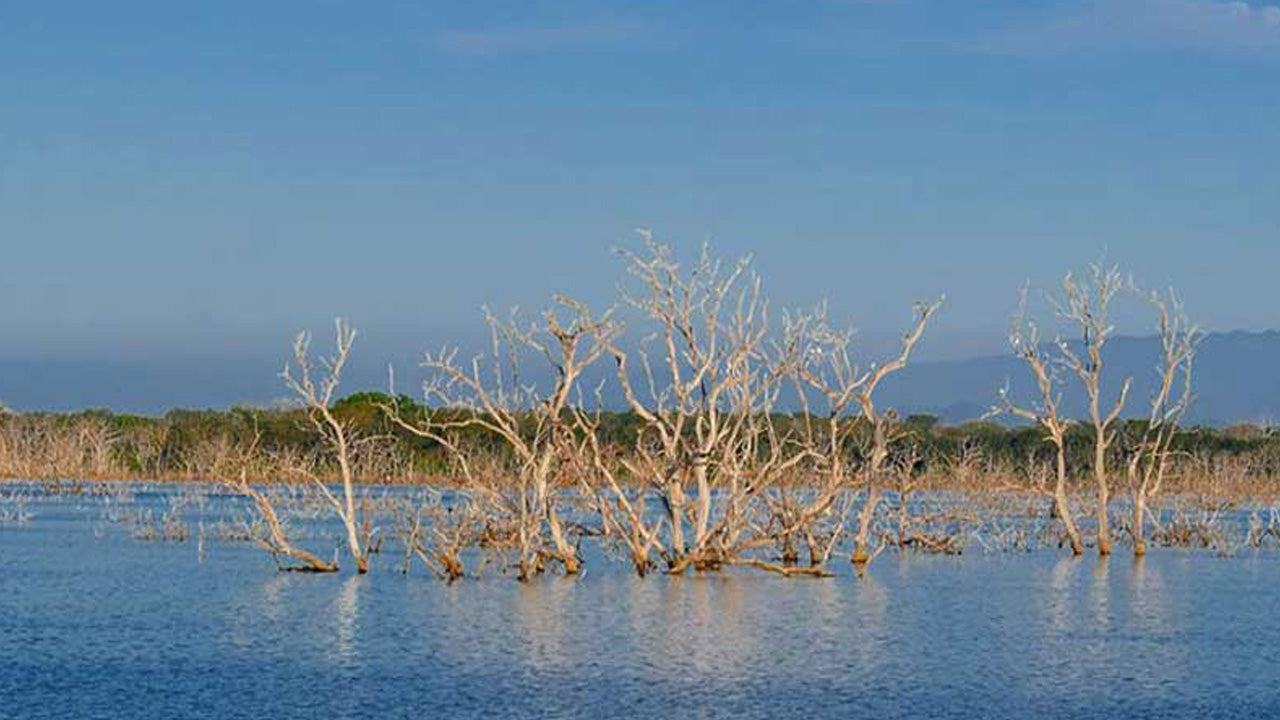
x: 181, y: 178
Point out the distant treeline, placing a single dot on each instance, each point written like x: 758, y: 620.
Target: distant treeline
x: 274, y: 444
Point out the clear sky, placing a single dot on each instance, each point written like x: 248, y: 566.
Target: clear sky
x: 181, y: 177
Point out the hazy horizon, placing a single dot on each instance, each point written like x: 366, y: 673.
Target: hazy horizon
x: 181, y: 183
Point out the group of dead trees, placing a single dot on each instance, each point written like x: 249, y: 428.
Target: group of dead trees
x: 716, y: 475
x: 1084, y: 305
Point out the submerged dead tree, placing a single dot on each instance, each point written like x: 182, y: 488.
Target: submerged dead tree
x: 708, y: 446
x: 1024, y: 337
x: 273, y: 537
x: 1085, y: 303
x: 438, y: 532
x: 814, y: 509
x: 621, y: 498
x: 1149, y: 457
x: 317, y: 392
x: 537, y: 429
x: 847, y: 393
x: 882, y: 426
x: 269, y: 531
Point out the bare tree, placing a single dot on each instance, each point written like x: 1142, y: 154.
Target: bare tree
x: 846, y: 390
x: 317, y: 392
x: 437, y: 532
x: 537, y: 428
x: 882, y: 428
x: 1024, y: 337
x: 274, y: 538
x: 815, y: 508
x: 1149, y: 458
x: 622, y: 504
x: 1085, y: 303
x: 709, y: 445
x: 270, y: 533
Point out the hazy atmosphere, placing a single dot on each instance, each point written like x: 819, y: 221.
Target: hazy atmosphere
x: 183, y: 186
x: 716, y: 359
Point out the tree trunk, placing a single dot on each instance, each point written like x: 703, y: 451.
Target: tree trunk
x: 790, y: 555
x: 861, y: 545
x: 815, y: 552
x: 1104, y: 496
x: 675, y: 516
x: 1063, y: 509
x: 349, y: 513
x: 1139, y: 515
x: 704, y: 501
x: 568, y: 555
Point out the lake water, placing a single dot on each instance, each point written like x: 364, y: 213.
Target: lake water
x: 96, y: 624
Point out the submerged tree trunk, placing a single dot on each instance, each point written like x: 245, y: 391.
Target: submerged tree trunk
x: 816, y: 554
x: 277, y: 543
x: 1104, y: 496
x: 675, y: 515
x: 861, y: 544
x: 361, y: 556
x: 1062, y: 506
x: 790, y: 554
x: 1064, y: 513
x: 1139, y: 515
x: 565, y: 553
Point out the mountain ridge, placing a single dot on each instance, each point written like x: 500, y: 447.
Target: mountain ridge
x: 1234, y: 381
x: 1231, y: 383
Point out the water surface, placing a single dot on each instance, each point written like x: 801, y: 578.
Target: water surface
x: 96, y: 624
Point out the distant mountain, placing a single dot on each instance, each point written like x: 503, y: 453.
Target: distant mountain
x: 1235, y: 380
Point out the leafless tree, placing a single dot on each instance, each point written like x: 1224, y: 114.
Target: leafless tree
x: 1149, y: 458
x: 617, y: 488
x: 437, y: 532
x: 269, y: 532
x: 848, y: 392
x: 709, y: 445
x: 844, y: 391
x: 815, y: 507
x: 271, y: 535
x: 317, y: 392
x: 537, y: 428
x: 1024, y: 337
x: 1085, y: 303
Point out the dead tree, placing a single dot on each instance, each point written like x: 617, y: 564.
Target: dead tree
x: 269, y: 533
x: 882, y: 426
x: 817, y: 360
x: 317, y: 393
x: 437, y: 532
x: 274, y: 538
x: 848, y: 393
x: 1085, y: 303
x: 615, y: 483
x: 537, y: 428
x: 1024, y: 337
x: 709, y: 445
x: 1149, y: 458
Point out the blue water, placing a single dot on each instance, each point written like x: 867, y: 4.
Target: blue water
x: 96, y: 624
